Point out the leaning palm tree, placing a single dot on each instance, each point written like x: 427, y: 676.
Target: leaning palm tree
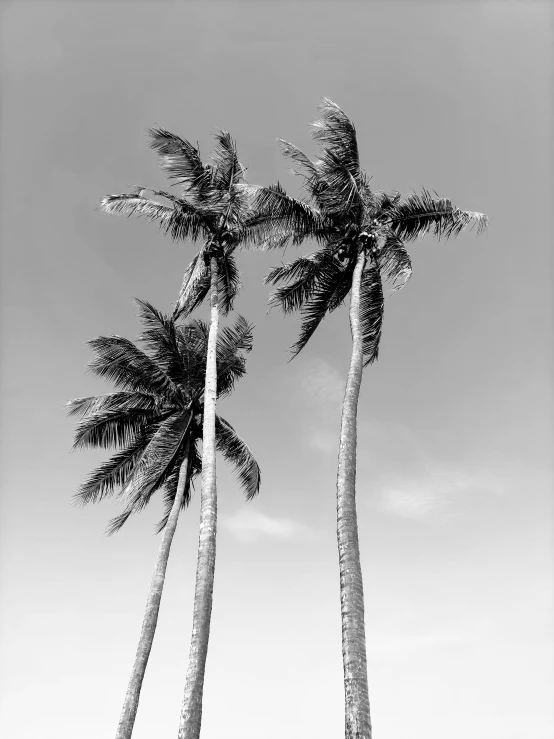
x: 362, y: 235
x: 155, y: 419
x: 213, y: 206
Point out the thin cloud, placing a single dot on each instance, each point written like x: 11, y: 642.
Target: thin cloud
x: 248, y: 525
x: 435, y: 496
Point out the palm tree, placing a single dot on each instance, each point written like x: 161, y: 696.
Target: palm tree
x: 155, y: 419
x: 214, y: 206
x: 362, y: 235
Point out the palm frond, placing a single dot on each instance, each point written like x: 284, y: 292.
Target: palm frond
x: 337, y: 136
x: 113, y: 428
x: 227, y: 170
x: 182, y: 220
x: 338, y: 185
x: 160, y: 337
x: 228, y: 283
x: 302, y: 274
x: 336, y: 191
x: 181, y: 161
x: 194, y: 468
x: 195, y: 287
x: 129, y: 204
x: 110, y: 402
x: 387, y: 202
x: 372, y: 306
x: 280, y: 215
x: 192, y: 339
x: 129, y: 368
x: 262, y: 231
x: 231, y: 365
x: 316, y: 306
x: 235, y: 451
x: 418, y: 214
x: 395, y: 262
x: 235, y: 339
x: 187, y: 222
x: 232, y: 342
x: 293, y: 152
x: 153, y: 468
x: 343, y: 284
x: 113, y: 474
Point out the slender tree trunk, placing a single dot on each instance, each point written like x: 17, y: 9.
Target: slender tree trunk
x: 191, y: 711
x: 129, y: 712
x: 357, y: 717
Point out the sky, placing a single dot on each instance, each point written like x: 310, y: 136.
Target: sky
x: 455, y: 465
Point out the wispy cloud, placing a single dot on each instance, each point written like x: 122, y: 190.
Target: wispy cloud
x: 436, y: 494
x: 248, y: 524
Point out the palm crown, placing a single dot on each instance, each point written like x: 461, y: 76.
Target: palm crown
x: 348, y: 219
x: 214, y: 205
x: 155, y: 417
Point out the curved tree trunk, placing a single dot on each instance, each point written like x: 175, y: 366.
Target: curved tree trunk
x: 191, y: 711
x: 127, y: 719
x: 357, y: 716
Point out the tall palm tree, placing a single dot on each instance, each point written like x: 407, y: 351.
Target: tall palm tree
x: 213, y: 206
x: 155, y: 419
x: 362, y: 235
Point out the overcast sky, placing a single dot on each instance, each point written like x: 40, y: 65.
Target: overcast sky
x: 455, y: 469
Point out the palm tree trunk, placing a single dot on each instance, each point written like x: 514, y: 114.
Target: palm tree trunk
x: 129, y: 712
x: 357, y: 716
x: 191, y: 711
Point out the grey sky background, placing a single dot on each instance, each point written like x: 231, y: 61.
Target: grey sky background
x: 456, y: 424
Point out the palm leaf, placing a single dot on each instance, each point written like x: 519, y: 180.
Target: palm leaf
x: 387, y: 202
x: 419, y: 214
x: 372, y: 306
x: 181, y: 221
x: 194, y: 468
x: 119, y: 360
x: 395, y: 262
x: 187, y: 222
x: 129, y: 204
x: 227, y: 170
x: 160, y: 337
x: 109, y: 402
x: 282, y: 215
x: 235, y: 451
x: 343, y: 285
x: 336, y: 191
x: 293, y: 152
x: 228, y: 283
x: 317, y: 305
x: 195, y: 287
x: 113, y: 474
x: 337, y: 135
x: 306, y: 270
x: 153, y: 468
x: 181, y: 161
x: 231, y: 364
x: 192, y: 339
x: 113, y: 428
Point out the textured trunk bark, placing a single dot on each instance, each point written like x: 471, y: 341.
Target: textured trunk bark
x: 357, y: 716
x: 191, y: 712
x: 129, y: 712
